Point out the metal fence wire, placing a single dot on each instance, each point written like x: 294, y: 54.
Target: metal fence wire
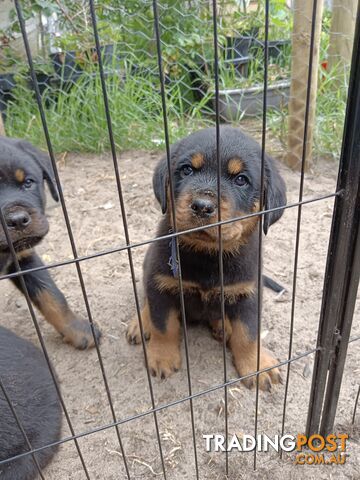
x: 175, y: 61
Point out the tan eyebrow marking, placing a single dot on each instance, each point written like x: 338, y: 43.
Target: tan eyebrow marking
x: 235, y: 166
x: 20, y: 175
x: 197, y: 160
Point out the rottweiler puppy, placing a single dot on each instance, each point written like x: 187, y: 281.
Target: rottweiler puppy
x: 194, y: 174
x: 30, y: 388
x: 23, y: 169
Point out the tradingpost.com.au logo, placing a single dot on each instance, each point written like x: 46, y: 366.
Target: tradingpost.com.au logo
x: 313, y: 450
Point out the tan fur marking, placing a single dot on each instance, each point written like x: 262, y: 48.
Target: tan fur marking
x: 233, y: 234
x: 74, y: 331
x: 231, y: 292
x: 24, y: 253
x: 52, y: 310
x: 235, y: 166
x: 197, y: 160
x: 244, y: 351
x: 20, y: 175
x: 163, y: 351
x: 133, y: 332
x: 217, y: 329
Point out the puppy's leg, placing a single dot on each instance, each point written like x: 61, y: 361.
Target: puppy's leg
x: 133, y: 333
x: 161, y: 322
x: 52, y: 304
x: 164, y: 346
x: 243, y: 344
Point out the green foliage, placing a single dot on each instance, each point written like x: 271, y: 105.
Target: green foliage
x: 76, y: 116
x: 77, y: 121
x: 241, y: 21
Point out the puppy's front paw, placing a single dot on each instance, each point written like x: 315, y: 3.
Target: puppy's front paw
x: 133, y: 332
x: 248, y: 364
x: 244, y: 351
x: 163, y: 360
x: 217, y: 329
x: 78, y: 332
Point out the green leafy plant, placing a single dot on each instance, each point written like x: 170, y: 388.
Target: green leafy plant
x: 77, y: 121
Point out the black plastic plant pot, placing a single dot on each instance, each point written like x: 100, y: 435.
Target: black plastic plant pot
x: 44, y: 81
x: 7, y: 84
x: 240, y: 65
x: 70, y: 65
x: 66, y: 66
x: 276, y: 48
x: 238, y: 47
x: 150, y: 72
x: 111, y: 58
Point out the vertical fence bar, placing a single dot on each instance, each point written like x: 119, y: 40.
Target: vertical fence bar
x: 343, y: 266
x: 68, y: 227
x: 299, y: 216
x: 173, y: 212
x: 355, y: 406
x: 125, y: 224
x: 261, y: 219
x: 220, y: 256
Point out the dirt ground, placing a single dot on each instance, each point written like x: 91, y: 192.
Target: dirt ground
x: 92, y: 202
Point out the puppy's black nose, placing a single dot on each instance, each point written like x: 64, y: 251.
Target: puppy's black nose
x: 204, y: 207
x: 18, y: 219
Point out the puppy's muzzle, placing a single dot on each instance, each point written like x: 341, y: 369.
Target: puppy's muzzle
x: 204, y: 204
x: 18, y: 219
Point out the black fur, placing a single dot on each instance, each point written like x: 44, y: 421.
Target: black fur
x: 23, y: 170
x: 201, y: 266
x: 28, y: 383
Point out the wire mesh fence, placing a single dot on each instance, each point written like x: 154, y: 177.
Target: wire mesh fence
x: 66, y: 67
x: 118, y: 75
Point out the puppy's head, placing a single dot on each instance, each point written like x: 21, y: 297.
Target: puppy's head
x: 23, y: 170
x: 194, y: 174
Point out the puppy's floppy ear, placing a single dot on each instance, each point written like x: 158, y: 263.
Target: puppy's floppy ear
x: 275, y: 193
x: 44, y: 163
x: 160, y: 183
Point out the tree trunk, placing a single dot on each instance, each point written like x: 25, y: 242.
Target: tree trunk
x: 303, y: 12
x: 342, y: 32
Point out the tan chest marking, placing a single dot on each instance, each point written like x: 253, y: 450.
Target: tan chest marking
x: 231, y: 292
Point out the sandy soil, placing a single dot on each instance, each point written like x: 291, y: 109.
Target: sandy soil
x: 93, y: 206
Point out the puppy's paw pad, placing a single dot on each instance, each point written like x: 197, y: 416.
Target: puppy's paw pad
x: 163, y: 364
x: 266, y: 379
x: 80, y: 334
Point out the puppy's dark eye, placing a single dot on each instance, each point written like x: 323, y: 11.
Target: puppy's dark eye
x: 241, y: 180
x: 186, y: 170
x: 28, y: 183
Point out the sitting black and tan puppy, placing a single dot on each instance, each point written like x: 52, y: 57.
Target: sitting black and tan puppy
x: 30, y: 388
x: 23, y: 170
x: 194, y: 173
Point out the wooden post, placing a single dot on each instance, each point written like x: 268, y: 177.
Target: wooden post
x: 342, y: 32
x: 2, y: 127
x: 303, y: 11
